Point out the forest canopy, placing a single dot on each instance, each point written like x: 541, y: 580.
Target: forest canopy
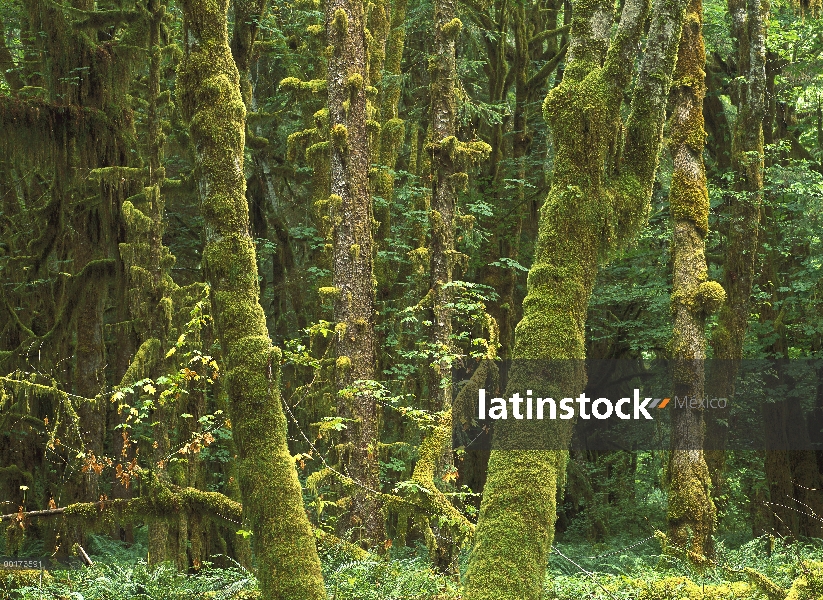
x: 283, y: 281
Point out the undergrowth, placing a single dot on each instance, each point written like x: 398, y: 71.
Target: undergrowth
x: 623, y: 568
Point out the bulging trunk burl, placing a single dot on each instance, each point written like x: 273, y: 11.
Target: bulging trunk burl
x: 350, y: 209
x: 598, y: 202
x: 691, y: 512
x: 209, y: 91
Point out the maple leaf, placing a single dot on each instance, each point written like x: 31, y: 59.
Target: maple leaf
x: 450, y: 476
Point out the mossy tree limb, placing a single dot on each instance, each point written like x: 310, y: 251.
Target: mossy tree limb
x: 691, y: 512
x: 209, y: 91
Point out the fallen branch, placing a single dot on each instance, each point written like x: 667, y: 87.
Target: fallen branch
x: 165, y: 501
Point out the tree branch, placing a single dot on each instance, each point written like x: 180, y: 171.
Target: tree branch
x: 546, y: 70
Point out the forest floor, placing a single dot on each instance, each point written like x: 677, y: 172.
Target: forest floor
x: 622, y: 568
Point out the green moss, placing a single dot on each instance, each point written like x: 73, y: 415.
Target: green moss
x: 14, y: 580
x: 136, y: 221
x: 354, y: 82
x: 115, y: 176
x: 516, y: 524
x: 339, y: 136
x: 710, y: 297
x: 419, y: 256
x: 329, y: 292
x: 691, y: 513
x: 809, y: 585
x: 452, y: 28
x: 340, y: 22
x: 766, y: 585
x: 679, y: 588
x: 143, y: 361
x: 393, y: 131
x: 304, y: 88
x: 689, y: 200
x: 433, y: 502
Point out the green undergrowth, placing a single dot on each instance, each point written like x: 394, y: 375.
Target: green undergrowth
x: 614, y: 570
x: 623, y: 567
x: 120, y: 572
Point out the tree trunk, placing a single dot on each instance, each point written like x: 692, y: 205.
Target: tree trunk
x: 209, y: 90
x: 450, y: 158
x: 691, y: 513
x: 590, y: 212
x: 350, y: 209
x: 743, y: 209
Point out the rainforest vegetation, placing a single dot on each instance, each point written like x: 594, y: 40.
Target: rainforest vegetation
x: 260, y: 258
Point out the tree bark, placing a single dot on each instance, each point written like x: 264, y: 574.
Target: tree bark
x: 350, y: 209
x: 691, y: 512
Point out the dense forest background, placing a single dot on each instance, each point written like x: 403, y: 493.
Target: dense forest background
x: 258, y: 257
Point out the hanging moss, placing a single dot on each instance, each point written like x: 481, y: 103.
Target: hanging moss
x: 339, y: 136
x: 340, y: 21
x: 115, y: 175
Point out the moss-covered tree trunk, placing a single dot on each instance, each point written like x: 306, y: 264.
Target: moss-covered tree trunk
x: 444, y: 193
x: 450, y: 158
x: 742, y: 207
x: 209, y: 91
x: 350, y: 209
x: 691, y: 513
x: 597, y: 203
